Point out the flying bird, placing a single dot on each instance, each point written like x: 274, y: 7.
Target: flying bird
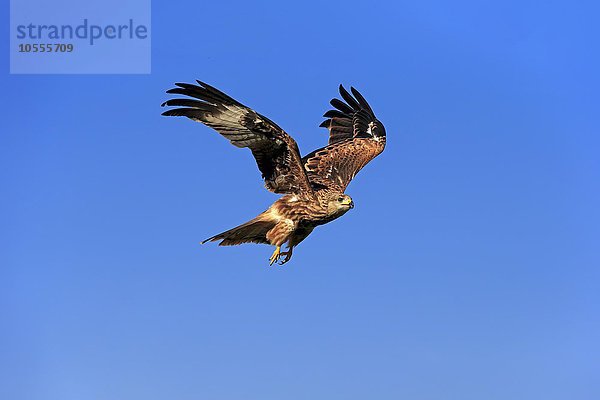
x: 313, y: 186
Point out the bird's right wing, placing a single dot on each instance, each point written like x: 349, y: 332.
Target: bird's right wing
x: 276, y: 152
x: 355, y: 138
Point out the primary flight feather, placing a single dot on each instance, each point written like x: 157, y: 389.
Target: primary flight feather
x: 313, y: 185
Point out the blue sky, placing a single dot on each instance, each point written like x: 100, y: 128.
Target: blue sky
x: 468, y: 269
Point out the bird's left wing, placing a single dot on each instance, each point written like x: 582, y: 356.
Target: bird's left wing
x: 275, y: 151
x: 355, y: 138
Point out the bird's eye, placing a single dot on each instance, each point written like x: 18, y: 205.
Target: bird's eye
x: 341, y: 199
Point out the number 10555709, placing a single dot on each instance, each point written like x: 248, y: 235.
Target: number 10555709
x: 45, y: 47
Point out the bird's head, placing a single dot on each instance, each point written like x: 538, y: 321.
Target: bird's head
x: 339, y: 204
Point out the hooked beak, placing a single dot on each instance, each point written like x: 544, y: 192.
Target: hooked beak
x: 348, y: 202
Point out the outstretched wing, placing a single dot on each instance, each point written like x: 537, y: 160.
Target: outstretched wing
x: 355, y: 138
x: 275, y: 151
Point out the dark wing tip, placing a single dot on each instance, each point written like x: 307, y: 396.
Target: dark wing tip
x: 334, y: 113
x: 169, y: 113
x: 351, y: 116
x: 361, y: 100
x: 212, y: 239
x: 351, y: 101
x: 340, y: 105
x: 180, y: 112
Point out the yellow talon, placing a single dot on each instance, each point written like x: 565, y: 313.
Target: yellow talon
x: 275, y: 255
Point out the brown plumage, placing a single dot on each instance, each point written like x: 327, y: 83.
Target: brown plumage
x: 313, y: 185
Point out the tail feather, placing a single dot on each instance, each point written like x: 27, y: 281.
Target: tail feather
x: 253, y: 231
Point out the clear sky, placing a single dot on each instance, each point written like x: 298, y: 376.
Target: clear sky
x: 469, y: 268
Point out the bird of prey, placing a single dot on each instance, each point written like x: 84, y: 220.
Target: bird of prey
x: 313, y: 186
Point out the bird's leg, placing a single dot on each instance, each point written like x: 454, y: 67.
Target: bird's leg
x: 275, y: 256
x: 288, y: 255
